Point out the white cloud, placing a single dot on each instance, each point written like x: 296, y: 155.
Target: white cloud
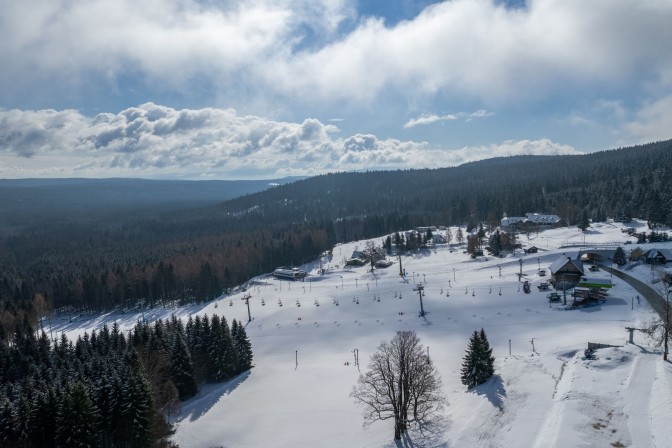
x: 652, y: 121
x: 166, y: 41
x: 152, y: 140
x: 433, y: 118
x: 478, y: 49
x: 471, y: 48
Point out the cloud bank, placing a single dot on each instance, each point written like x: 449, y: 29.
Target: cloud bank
x: 321, y: 50
x: 157, y: 141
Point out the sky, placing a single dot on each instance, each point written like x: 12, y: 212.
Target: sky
x: 208, y: 89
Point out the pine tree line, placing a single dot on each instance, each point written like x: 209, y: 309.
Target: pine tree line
x: 108, y: 389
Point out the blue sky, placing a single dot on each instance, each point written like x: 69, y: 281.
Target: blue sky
x: 205, y: 89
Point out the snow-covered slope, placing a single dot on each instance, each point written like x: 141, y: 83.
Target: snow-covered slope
x: 543, y: 394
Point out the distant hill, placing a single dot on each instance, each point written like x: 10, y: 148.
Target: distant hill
x: 98, y: 244
x: 619, y: 183
x: 28, y: 200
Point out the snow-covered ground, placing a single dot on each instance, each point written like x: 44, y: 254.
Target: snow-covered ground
x: 544, y: 394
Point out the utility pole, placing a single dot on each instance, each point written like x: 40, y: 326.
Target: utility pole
x: 532, y: 342
x: 564, y: 291
x: 247, y: 298
x: 420, y: 290
x: 401, y: 271
x: 509, y: 347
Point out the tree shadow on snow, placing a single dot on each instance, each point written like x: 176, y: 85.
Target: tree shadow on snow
x: 493, y: 390
x: 207, y: 397
x: 429, y: 434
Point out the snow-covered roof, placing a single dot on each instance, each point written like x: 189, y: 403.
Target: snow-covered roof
x: 562, y: 261
x: 512, y: 220
x: 542, y: 219
x: 532, y: 218
x: 667, y: 253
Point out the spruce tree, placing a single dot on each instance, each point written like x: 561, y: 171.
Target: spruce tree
x: 181, y: 368
x: 8, y: 423
x: 487, y: 360
x: 583, y: 222
x: 136, y: 405
x: 469, y: 372
x: 242, y: 346
x: 77, y: 420
x: 220, y: 350
x: 619, y: 256
x: 478, y: 362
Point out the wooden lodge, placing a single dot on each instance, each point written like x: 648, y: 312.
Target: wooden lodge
x: 565, y: 272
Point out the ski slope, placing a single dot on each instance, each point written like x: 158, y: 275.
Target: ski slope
x: 544, y: 394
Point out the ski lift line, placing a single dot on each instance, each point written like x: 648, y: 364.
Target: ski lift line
x: 382, y: 294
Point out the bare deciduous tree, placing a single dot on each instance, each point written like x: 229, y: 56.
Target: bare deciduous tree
x: 401, y: 384
x: 373, y: 253
x: 659, y: 327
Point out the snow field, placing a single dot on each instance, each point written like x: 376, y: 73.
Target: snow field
x: 547, y: 398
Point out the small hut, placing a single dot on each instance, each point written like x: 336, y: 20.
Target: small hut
x: 565, y: 272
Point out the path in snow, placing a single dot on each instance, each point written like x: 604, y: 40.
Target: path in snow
x: 637, y: 395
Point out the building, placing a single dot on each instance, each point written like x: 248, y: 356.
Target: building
x: 658, y: 256
x: 437, y: 238
x: 530, y: 221
x: 289, y: 273
x: 636, y: 254
x: 566, y: 273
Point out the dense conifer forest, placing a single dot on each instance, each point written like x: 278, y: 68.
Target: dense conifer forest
x: 183, y: 255
x: 108, y: 389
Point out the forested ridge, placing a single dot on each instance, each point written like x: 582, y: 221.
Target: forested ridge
x: 186, y: 255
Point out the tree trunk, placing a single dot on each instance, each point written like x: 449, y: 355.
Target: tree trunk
x: 397, y: 428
